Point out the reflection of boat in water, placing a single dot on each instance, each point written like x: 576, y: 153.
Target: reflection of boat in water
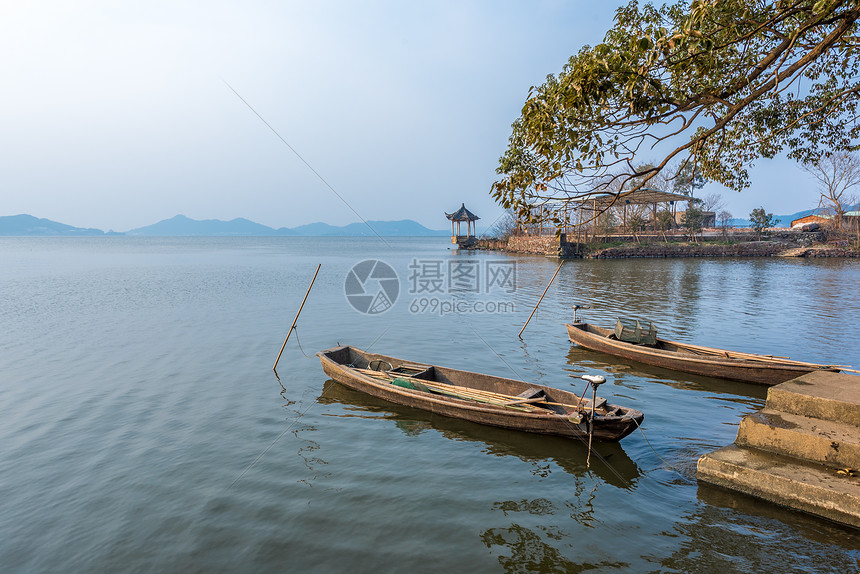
x: 707, y: 361
x: 612, y: 465
x: 626, y: 372
x: 479, y: 398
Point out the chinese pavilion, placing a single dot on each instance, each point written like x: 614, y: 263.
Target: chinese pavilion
x: 459, y: 217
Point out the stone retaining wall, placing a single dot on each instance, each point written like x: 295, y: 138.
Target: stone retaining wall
x: 656, y: 250
x: 492, y: 244
x: 546, y: 245
x: 779, y: 243
x: 831, y: 252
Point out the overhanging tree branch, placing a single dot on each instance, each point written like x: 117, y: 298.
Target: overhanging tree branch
x: 729, y: 63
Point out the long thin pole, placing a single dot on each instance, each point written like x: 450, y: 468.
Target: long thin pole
x: 293, y: 326
x: 591, y: 425
x: 541, y: 299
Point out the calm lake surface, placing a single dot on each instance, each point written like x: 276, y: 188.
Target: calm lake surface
x: 143, y: 429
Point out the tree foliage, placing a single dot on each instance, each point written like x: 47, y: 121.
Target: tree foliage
x: 714, y: 84
x: 760, y: 220
x: 693, y: 218
x: 665, y: 220
x: 685, y: 179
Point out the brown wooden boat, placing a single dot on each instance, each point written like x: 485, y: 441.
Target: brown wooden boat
x: 479, y: 398
x: 737, y: 366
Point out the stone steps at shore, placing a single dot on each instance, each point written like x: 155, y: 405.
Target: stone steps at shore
x: 797, y: 484
x: 836, y: 444
x: 796, y: 450
x: 823, y: 395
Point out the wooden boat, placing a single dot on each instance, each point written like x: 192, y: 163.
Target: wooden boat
x: 479, y: 398
x: 747, y: 367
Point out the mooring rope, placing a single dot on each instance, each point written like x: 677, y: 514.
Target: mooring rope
x: 682, y: 475
x: 296, y: 329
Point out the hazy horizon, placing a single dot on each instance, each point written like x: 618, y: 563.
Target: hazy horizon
x: 119, y: 115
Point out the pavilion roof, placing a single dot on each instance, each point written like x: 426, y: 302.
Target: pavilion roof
x: 462, y: 214
x: 636, y: 197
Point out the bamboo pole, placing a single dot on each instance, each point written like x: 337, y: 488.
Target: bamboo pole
x: 748, y: 356
x: 520, y: 335
x: 442, y: 386
x: 468, y: 391
x: 293, y: 326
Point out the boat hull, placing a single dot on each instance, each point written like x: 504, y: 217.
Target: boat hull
x: 770, y: 372
x: 340, y: 363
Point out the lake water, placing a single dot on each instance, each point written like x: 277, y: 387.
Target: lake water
x: 143, y: 429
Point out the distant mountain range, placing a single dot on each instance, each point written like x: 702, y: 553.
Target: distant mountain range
x: 29, y: 225
x: 181, y: 226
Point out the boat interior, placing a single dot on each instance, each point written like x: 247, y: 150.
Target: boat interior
x: 451, y: 382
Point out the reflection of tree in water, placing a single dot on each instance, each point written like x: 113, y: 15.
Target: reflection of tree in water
x: 533, y: 550
x: 311, y: 461
x: 687, y: 295
x: 307, y: 451
x: 581, y: 508
x: 530, y: 553
x: 538, y: 506
x: 412, y: 428
x: 730, y: 532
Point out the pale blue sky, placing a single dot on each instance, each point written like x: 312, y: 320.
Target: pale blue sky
x: 116, y: 115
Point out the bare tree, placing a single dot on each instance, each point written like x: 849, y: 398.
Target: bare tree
x: 713, y: 202
x: 835, y: 174
x: 506, y: 226
x: 724, y: 218
x: 854, y: 222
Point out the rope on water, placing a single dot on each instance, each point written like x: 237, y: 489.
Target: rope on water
x: 296, y: 329
x: 658, y: 455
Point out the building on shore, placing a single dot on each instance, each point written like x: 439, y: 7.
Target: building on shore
x: 811, y: 218
x: 625, y: 211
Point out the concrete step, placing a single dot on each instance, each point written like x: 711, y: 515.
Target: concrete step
x: 821, y: 394
x: 835, y: 444
x: 786, y: 481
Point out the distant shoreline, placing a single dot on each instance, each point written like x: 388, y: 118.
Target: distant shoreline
x: 180, y: 226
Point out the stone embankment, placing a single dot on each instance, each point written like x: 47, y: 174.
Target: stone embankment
x: 538, y: 245
x: 656, y: 250
x: 550, y: 245
x: 783, y: 243
x: 801, y: 451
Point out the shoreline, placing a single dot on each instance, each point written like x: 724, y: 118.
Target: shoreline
x: 781, y: 243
